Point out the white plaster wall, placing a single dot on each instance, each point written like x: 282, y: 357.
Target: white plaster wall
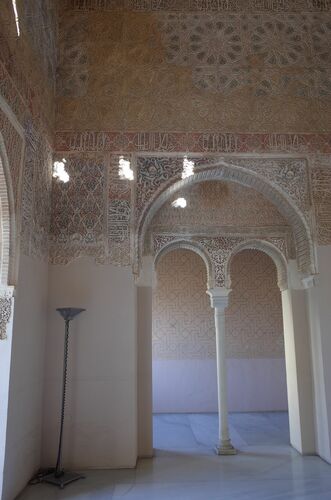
x: 144, y: 344
x: 23, y: 445
x: 101, y: 418
x: 298, y: 369
x: 319, y: 300
x: 253, y: 385
x: 5, y: 357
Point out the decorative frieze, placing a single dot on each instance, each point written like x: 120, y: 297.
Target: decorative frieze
x: 195, y: 142
x: 200, y: 5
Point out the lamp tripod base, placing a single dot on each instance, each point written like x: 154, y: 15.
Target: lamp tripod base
x: 63, y: 479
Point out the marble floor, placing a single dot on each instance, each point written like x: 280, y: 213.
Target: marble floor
x: 185, y: 467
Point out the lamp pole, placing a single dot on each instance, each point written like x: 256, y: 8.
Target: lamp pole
x: 59, y: 477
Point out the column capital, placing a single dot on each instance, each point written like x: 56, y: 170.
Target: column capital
x: 297, y: 280
x: 219, y: 297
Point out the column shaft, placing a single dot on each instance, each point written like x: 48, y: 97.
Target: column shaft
x: 224, y: 438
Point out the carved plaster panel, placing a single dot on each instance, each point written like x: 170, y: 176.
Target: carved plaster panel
x: 14, y: 145
x: 119, y: 216
x: 72, y: 78
x: 30, y: 61
x: 183, y: 323
x: 40, y: 22
x: 91, y: 215
x: 9, y: 92
x: 150, y: 67
x: 6, y: 297
x: 290, y: 175
x: 321, y: 192
x: 195, y: 142
x: 36, y: 193
x: 78, y: 223
x: 112, y: 208
x: 253, y: 319
x: 220, y: 50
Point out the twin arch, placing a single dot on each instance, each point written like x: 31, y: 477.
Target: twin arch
x: 261, y: 245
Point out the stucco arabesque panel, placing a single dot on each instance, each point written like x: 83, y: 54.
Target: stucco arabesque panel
x: 91, y: 216
x: 31, y: 171
x: 36, y: 193
x: 289, y: 175
x: 321, y: 197
x: 6, y: 298
x: 183, y: 323
x: 221, y: 49
x: 78, y: 211
x: 14, y: 145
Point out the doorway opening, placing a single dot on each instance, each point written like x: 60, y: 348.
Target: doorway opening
x: 257, y: 391
x: 184, y: 355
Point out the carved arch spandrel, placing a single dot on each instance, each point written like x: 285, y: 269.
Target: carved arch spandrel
x: 220, y: 170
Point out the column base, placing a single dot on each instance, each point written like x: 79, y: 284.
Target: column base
x: 225, y: 448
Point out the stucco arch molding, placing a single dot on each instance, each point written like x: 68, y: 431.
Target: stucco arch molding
x: 8, y: 241
x: 282, y: 181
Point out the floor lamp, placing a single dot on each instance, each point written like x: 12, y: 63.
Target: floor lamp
x: 59, y: 477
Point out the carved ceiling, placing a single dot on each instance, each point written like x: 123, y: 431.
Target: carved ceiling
x: 172, y: 65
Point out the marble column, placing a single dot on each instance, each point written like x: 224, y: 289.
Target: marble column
x: 219, y: 302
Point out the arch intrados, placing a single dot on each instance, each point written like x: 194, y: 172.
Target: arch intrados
x: 242, y: 176
x: 193, y: 247
x: 8, y: 219
x: 269, y: 249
